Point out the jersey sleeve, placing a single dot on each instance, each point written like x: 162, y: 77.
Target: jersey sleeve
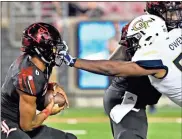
x: 149, y: 59
x: 30, y: 81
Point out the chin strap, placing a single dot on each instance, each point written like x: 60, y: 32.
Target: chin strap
x: 42, y: 58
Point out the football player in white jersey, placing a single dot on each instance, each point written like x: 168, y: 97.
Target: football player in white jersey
x: 156, y: 53
x: 158, y: 49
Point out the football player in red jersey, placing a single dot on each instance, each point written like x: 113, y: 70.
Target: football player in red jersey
x: 26, y: 84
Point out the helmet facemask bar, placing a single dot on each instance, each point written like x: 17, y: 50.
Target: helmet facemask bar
x: 133, y: 43
x: 173, y: 18
x: 50, y: 57
x: 170, y: 11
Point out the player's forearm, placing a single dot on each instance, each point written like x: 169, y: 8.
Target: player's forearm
x: 39, y: 118
x: 36, y: 122
x: 112, y: 68
x: 106, y: 67
x: 103, y: 67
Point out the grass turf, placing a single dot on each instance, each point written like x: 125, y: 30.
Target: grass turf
x: 102, y: 130
x: 99, y: 112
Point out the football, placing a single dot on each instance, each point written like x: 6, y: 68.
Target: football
x: 58, y: 98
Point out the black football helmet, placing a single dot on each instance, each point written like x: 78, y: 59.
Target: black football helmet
x: 170, y: 11
x: 44, y: 41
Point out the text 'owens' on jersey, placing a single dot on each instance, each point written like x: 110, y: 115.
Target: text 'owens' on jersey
x: 25, y: 76
x: 164, y: 54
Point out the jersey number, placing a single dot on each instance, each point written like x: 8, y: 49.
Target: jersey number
x: 178, y: 62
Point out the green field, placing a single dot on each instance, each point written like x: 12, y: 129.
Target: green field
x: 93, y: 124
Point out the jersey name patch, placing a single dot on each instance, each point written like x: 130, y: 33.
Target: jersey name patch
x: 176, y: 43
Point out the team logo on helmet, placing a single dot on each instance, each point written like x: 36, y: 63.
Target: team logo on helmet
x: 140, y: 24
x: 42, y: 32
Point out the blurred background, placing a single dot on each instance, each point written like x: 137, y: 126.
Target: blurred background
x: 92, y: 31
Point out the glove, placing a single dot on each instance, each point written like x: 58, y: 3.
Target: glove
x: 65, y: 46
x: 67, y: 58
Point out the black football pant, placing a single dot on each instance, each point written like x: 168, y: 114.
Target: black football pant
x: 133, y: 126
x: 10, y: 130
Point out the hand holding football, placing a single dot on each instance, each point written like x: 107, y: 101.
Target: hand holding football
x: 58, y: 98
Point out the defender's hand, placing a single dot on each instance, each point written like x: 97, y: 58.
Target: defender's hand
x: 67, y: 58
x: 65, y: 48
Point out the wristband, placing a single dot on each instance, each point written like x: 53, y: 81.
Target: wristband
x: 46, y: 112
x: 73, y: 62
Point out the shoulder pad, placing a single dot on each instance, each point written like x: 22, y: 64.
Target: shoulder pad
x: 30, y: 80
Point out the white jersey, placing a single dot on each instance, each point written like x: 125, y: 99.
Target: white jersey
x: 167, y: 54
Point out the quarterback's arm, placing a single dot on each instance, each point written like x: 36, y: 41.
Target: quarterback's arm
x: 115, y: 68
x: 27, y: 110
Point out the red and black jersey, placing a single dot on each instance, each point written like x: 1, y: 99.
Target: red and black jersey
x: 25, y: 76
